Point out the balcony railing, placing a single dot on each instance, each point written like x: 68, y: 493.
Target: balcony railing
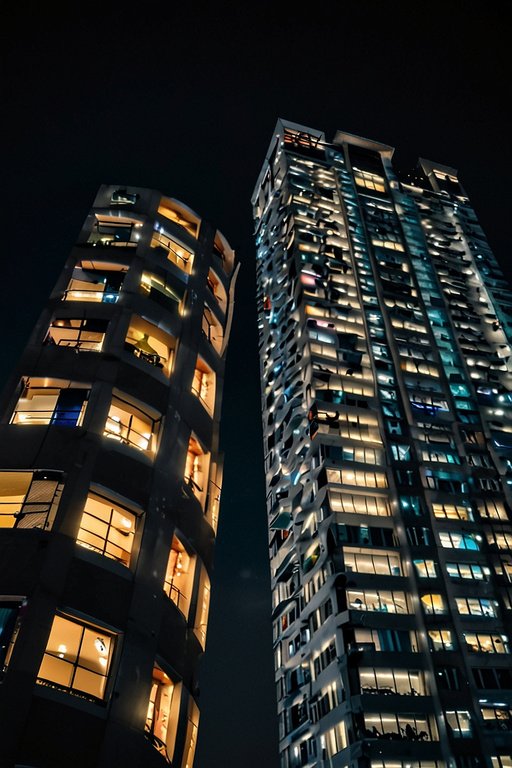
x: 59, y: 417
x: 29, y: 515
x: 105, y: 297
x: 81, y: 344
x: 148, y: 357
x: 124, y: 432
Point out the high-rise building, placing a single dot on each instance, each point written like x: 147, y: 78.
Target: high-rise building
x: 385, y: 326
x: 110, y: 479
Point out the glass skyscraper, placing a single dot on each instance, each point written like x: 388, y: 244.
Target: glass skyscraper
x: 385, y: 326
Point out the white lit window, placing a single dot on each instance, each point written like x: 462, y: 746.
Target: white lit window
x: 459, y: 723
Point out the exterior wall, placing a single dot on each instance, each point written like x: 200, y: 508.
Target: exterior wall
x: 385, y: 329
x: 155, y: 462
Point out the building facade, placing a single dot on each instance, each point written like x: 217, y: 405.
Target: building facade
x: 385, y: 326
x: 110, y: 479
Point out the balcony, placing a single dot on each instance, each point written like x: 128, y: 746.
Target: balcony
x: 212, y: 330
x: 114, y: 232
x: 151, y: 344
x: 203, y: 385
x: 78, y: 333
x: 29, y: 499
x: 131, y: 426
x: 172, y: 250
x: 51, y: 401
x: 99, y: 284
x: 158, y: 290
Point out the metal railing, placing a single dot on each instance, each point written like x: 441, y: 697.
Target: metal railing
x: 58, y: 416
x: 76, y: 343
x: 35, y: 515
x: 80, y: 294
x: 124, y: 432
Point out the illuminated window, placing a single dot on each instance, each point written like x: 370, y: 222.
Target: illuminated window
x: 459, y: 724
x: 115, y: 231
x: 191, y: 735
x: 212, y: 329
x: 480, y: 643
x: 468, y: 571
x: 404, y: 682
x: 162, y: 714
x: 493, y: 509
x: 409, y: 764
x: 433, y: 603
x: 51, y: 401
x: 362, y: 505
x: 203, y: 607
x: 180, y: 215
x: 357, y: 477
x: 497, y: 718
x: 378, y: 561
x: 377, y: 600
x: 395, y: 640
x: 476, y: 606
x: 203, y: 384
x: 403, y: 727
x: 324, y: 658
x: 452, y: 512
x: 503, y: 568
x: 95, y: 281
x: 214, y: 493
x: 500, y: 540
x: 439, y: 456
x: 310, y: 557
x: 389, y: 244
x: 172, y: 249
x: 401, y: 452
x: 107, y: 528
x: 77, y: 658
x: 501, y: 761
x: 426, y: 569
x: 371, y: 181
x: 85, y: 335
x: 453, y: 540
x: 335, y: 739
x: 131, y: 425
x: 29, y: 499
x: 157, y: 289
x: 441, y: 640
x: 217, y: 289
x: 179, y: 576
x: 362, y: 455
x: 150, y: 343
x: 196, y: 469
x: 223, y: 252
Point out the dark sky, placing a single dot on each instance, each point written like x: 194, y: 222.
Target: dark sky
x: 184, y: 99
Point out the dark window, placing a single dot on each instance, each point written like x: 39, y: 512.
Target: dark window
x: 448, y: 678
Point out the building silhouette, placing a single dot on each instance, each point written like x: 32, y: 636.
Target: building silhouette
x: 385, y: 326
x: 110, y: 479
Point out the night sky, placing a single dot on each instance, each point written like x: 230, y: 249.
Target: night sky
x: 184, y: 100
